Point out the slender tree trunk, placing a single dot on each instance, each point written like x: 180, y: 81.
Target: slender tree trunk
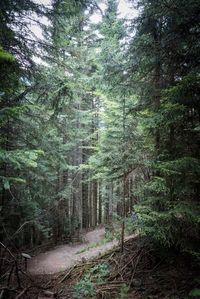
x: 124, y: 180
x: 124, y: 213
x: 85, y: 203
x: 95, y: 203
x: 100, y: 203
x: 90, y: 204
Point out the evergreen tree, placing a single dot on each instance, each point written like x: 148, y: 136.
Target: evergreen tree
x: 16, y: 65
x: 163, y: 55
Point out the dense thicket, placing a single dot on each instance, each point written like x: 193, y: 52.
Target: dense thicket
x: 106, y: 125
x: 150, y: 148
x: 16, y: 69
x: 164, y: 59
x: 49, y: 129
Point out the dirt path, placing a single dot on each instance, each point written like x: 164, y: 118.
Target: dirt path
x: 62, y: 257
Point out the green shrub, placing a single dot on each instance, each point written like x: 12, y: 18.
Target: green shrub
x: 96, y: 275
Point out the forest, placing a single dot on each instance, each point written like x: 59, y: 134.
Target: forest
x: 99, y: 149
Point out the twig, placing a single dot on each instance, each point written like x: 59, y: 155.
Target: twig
x: 10, y: 274
x: 136, y: 264
x: 15, y: 262
x: 8, y: 250
x: 17, y: 274
x: 9, y: 290
x: 22, y: 293
x: 21, y: 227
x: 1, y: 295
x: 24, y: 273
x: 66, y: 275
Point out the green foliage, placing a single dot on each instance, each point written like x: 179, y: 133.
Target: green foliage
x: 7, y: 181
x: 5, y: 56
x: 94, y: 245
x: 195, y: 293
x: 167, y: 88
x: 171, y: 224
x: 85, y: 288
x: 20, y: 158
x: 46, y: 114
x: 115, y: 100
x: 124, y: 292
x: 109, y: 237
x: 130, y: 225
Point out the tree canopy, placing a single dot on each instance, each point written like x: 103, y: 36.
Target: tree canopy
x: 105, y: 124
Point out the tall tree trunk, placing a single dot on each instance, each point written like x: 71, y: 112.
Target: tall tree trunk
x: 124, y: 213
x: 94, y: 203
x: 99, y: 204
x: 124, y: 179
x: 85, y: 215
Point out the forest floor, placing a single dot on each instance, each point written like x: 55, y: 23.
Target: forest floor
x: 140, y: 272
x: 63, y: 257
x: 98, y: 269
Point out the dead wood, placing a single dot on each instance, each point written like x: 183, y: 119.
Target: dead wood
x: 67, y: 275
x: 22, y: 293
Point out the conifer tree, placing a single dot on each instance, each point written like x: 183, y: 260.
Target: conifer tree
x: 163, y: 58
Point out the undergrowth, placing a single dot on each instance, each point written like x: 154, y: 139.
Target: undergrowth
x: 109, y: 237
x: 142, y: 271
x: 86, y: 286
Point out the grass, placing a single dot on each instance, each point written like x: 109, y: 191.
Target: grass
x: 94, y: 245
x: 109, y: 237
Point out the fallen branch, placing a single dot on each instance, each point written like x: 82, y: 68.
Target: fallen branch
x: 22, y: 293
x: 66, y: 275
x: 15, y: 265
x: 1, y: 295
x: 8, y: 250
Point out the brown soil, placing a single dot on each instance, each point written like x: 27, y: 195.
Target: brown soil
x: 141, y: 267
x: 63, y: 257
x: 149, y: 273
